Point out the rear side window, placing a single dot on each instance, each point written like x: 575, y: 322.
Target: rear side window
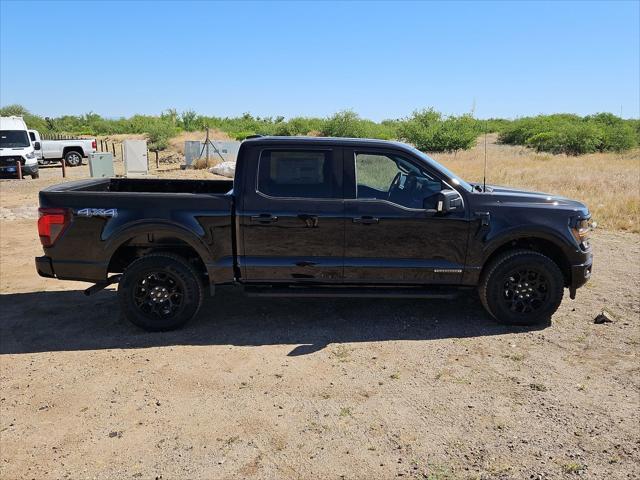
x: 32, y: 136
x: 296, y: 173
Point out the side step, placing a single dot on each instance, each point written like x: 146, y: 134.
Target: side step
x: 351, y: 292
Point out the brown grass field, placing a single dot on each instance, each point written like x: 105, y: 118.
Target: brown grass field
x: 609, y: 183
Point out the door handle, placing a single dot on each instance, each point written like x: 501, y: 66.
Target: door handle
x: 366, y: 220
x: 264, y: 218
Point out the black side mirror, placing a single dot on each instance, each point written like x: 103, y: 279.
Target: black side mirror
x: 36, y: 146
x: 448, y: 201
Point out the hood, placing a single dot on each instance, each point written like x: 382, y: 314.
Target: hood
x: 514, y: 197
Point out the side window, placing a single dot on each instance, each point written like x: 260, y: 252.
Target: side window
x: 296, y: 173
x: 395, y: 179
x: 32, y: 136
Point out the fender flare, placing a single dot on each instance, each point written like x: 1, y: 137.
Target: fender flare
x: 157, y: 227
x: 518, y: 233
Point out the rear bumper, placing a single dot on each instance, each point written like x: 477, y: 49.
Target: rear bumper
x: 71, y: 270
x: 44, y: 267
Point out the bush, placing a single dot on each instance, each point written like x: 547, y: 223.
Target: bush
x: 158, y: 135
x: 346, y: 123
x: 569, y: 139
x: 571, y: 134
x: 428, y: 131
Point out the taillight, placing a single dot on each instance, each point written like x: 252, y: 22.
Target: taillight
x: 52, y: 223
x: 94, y: 144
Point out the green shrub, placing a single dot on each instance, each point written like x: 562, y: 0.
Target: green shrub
x: 346, y: 123
x: 570, y: 139
x: 428, y: 131
x: 571, y: 134
x: 158, y: 135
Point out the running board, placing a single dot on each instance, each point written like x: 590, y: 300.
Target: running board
x: 355, y: 292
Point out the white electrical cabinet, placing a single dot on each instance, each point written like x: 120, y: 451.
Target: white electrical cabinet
x: 135, y: 157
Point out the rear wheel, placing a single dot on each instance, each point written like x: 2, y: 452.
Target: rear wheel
x: 160, y: 291
x: 522, y: 287
x: 73, y: 158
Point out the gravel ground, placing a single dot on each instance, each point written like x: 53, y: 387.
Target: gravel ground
x: 284, y: 388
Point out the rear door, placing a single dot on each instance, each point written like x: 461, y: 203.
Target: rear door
x: 291, y: 215
x: 392, y: 233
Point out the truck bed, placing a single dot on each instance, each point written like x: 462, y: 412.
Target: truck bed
x: 146, y: 185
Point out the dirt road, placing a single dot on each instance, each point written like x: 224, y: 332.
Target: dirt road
x: 313, y: 388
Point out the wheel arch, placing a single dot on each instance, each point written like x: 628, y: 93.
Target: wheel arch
x: 132, y: 243
x: 546, y: 245
x: 76, y: 149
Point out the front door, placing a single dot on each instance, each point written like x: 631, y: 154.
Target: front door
x: 292, y: 217
x: 393, y: 233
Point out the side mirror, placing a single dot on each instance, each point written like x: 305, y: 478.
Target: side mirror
x: 36, y: 146
x: 448, y: 201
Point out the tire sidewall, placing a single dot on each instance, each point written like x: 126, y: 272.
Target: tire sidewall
x: 495, y: 282
x: 185, y: 276
x: 69, y: 154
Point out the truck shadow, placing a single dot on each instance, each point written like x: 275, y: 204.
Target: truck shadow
x: 69, y: 321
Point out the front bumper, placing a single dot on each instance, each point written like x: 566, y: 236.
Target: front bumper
x: 12, y: 170
x: 580, y: 274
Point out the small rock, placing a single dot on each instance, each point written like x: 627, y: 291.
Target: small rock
x: 604, y: 317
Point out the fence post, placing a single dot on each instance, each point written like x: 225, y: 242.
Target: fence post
x: 113, y: 147
x: 19, y: 165
x: 157, y: 160
x: 64, y: 168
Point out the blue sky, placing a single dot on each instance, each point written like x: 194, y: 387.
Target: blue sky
x: 383, y: 60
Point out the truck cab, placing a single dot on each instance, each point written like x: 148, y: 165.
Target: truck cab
x: 17, y: 152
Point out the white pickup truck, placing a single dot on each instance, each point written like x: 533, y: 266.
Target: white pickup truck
x: 72, y: 151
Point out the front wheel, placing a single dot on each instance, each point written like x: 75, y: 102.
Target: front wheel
x: 160, y: 292
x: 73, y: 158
x: 522, y: 287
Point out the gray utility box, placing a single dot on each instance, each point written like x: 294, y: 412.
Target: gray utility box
x: 219, y: 150
x: 101, y: 165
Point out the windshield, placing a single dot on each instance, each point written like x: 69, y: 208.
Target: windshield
x: 456, y: 180
x: 14, y: 139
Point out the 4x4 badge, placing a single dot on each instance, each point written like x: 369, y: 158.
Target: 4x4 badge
x: 97, y: 212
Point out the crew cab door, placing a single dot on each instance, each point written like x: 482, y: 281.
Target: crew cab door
x: 291, y: 215
x: 393, y: 233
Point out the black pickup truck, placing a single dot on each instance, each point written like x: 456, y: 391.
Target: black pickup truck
x: 316, y: 217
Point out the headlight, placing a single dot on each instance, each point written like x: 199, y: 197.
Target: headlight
x: 582, y: 229
x: 30, y: 156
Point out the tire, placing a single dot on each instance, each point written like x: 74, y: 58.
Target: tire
x: 160, y: 292
x: 521, y: 287
x: 73, y: 158
x: 35, y: 175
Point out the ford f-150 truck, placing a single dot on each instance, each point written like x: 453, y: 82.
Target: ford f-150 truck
x: 316, y: 217
x: 71, y: 151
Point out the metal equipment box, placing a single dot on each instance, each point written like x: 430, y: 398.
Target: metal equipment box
x: 101, y: 165
x: 135, y: 157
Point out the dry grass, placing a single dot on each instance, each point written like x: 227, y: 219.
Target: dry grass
x: 609, y: 183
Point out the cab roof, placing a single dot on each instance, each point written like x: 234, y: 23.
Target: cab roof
x: 12, y: 123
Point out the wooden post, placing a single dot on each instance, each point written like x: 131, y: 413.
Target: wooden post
x: 113, y: 147
x: 64, y: 169
x: 157, y: 160
x: 19, y: 165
